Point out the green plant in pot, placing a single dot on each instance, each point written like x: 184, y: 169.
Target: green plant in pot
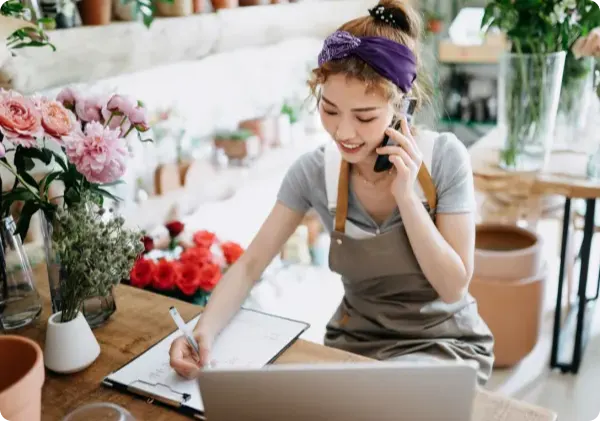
x: 540, y: 32
x: 237, y: 144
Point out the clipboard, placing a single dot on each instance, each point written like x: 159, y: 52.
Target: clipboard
x: 162, y: 386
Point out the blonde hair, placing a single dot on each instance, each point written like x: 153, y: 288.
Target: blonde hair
x: 355, y: 68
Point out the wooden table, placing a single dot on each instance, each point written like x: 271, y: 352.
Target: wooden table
x: 142, y: 319
x: 565, y: 176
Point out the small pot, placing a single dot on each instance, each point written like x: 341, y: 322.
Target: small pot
x: 241, y: 149
x: 224, y: 4
x: 175, y: 9
x: 21, y: 379
x: 95, y: 12
x: 506, y: 252
x: 71, y: 346
x: 435, y: 26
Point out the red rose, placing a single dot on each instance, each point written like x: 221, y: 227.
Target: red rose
x: 166, y: 275
x: 197, y: 256
x: 148, y: 244
x: 232, y: 251
x: 189, y: 278
x: 210, y: 275
x: 204, y: 239
x: 175, y: 228
x: 142, y: 273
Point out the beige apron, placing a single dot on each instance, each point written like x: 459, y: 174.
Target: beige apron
x: 389, y: 309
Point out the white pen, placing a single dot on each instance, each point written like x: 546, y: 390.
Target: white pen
x: 183, y: 328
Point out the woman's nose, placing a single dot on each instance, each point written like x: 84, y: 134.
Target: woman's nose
x: 345, y: 131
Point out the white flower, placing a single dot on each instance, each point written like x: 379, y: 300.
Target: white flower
x: 570, y: 4
x: 574, y: 18
x: 559, y: 14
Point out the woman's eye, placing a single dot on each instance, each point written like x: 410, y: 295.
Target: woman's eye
x: 368, y: 120
x: 329, y: 112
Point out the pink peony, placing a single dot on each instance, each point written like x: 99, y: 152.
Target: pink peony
x: 89, y: 109
x: 117, y: 111
x: 57, y: 121
x: 69, y: 97
x: 20, y: 120
x: 98, y: 153
x: 139, y: 118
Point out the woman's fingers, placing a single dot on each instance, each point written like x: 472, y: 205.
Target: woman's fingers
x: 399, y: 152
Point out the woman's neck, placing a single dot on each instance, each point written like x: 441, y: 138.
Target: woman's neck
x: 366, y: 171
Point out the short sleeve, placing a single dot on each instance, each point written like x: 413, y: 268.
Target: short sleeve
x: 294, y: 191
x: 453, y: 175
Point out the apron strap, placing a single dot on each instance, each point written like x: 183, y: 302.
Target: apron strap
x: 341, y: 212
x: 426, y: 181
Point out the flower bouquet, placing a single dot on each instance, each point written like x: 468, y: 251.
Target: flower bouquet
x: 541, y: 32
x: 79, y: 143
x: 187, y: 269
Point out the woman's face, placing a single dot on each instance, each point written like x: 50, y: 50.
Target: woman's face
x: 355, y: 119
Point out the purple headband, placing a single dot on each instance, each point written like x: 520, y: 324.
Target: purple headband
x: 390, y: 59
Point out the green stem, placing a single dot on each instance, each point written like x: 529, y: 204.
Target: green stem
x: 27, y: 186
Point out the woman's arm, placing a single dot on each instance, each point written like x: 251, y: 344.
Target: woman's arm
x: 444, y: 252
x: 233, y: 289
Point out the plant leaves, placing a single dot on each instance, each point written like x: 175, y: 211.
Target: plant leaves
x: 29, y: 209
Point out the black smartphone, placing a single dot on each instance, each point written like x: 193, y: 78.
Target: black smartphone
x: 382, y: 163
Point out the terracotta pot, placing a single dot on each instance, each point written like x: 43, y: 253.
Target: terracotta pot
x: 224, y: 4
x: 241, y: 149
x: 435, y: 26
x: 513, y: 311
x: 95, y: 12
x: 166, y: 178
x: 506, y: 252
x: 199, y: 6
x: 263, y: 127
x: 21, y: 379
x: 244, y: 3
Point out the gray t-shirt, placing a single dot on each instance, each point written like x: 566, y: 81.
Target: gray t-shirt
x: 303, y: 187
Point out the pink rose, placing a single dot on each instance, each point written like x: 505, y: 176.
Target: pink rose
x: 139, y: 118
x: 120, y: 104
x: 68, y: 97
x: 57, y: 121
x: 98, y: 153
x: 20, y: 120
x: 89, y: 109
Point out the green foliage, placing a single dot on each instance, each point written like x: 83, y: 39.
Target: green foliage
x: 240, y: 134
x: 95, y: 252
x: 145, y: 8
x: 291, y: 111
x: 542, y: 26
x: 33, y: 36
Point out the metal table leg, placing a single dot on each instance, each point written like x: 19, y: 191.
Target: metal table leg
x: 570, y: 339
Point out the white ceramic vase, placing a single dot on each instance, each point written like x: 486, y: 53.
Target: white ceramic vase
x: 70, y: 347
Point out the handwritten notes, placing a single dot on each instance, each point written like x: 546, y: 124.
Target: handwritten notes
x: 251, y: 340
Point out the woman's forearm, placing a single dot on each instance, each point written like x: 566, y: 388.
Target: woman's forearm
x: 226, y: 299
x: 441, y: 264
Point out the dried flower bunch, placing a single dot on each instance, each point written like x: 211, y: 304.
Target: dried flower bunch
x: 95, y: 251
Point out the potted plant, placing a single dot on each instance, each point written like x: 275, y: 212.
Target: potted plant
x: 434, y: 21
x: 186, y: 267
x: 238, y: 144
x: 540, y: 33
x: 95, y: 252
x: 80, y: 142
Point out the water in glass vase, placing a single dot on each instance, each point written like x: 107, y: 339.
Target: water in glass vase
x: 528, y: 93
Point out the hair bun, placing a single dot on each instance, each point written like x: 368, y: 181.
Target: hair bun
x: 393, y: 16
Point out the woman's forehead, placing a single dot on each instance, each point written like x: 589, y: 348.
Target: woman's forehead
x: 350, y: 92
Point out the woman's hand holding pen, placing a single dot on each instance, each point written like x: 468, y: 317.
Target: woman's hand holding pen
x: 184, y: 359
x: 406, y: 157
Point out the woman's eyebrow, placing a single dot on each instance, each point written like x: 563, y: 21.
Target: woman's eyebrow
x: 361, y: 109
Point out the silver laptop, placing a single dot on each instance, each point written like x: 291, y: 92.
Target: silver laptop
x: 378, y: 391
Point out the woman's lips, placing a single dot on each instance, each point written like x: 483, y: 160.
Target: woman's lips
x: 351, y: 147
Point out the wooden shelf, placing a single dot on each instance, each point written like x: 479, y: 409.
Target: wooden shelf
x: 486, y: 53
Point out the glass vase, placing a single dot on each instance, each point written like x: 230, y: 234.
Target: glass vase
x: 528, y: 95
x: 20, y: 303
x: 576, y: 94
x: 96, y: 310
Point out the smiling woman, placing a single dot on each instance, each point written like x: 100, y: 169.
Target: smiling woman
x: 403, y: 239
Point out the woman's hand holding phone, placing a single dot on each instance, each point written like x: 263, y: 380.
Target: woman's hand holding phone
x: 406, y: 157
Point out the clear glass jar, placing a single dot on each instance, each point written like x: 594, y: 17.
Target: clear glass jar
x: 20, y: 303
x: 100, y: 412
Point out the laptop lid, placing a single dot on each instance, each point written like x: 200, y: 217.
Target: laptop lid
x: 378, y: 391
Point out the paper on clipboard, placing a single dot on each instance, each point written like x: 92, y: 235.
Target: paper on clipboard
x: 251, y: 340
